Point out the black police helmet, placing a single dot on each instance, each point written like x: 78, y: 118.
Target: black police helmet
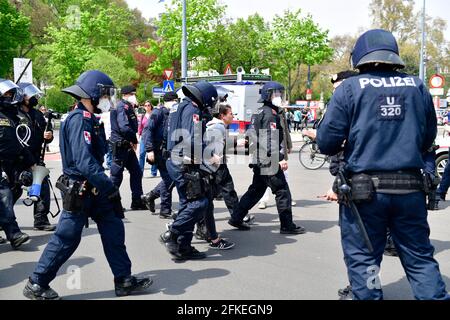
x: 92, y: 85
x: 128, y: 90
x: 170, y: 96
x: 376, y: 46
x: 222, y: 93
x: 15, y: 98
x: 202, y: 93
x: 269, y: 87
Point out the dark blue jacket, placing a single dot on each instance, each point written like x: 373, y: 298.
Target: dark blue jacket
x: 124, y: 124
x: 83, y: 147
x: 387, y: 120
x: 154, y: 130
x: 185, y: 130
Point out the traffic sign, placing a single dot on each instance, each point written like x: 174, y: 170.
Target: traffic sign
x: 157, y: 92
x: 19, y: 66
x: 309, y: 94
x: 437, y: 91
x: 437, y: 81
x: 228, y: 70
x: 168, y: 86
x: 168, y: 74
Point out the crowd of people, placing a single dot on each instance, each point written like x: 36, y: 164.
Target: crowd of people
x: 186, y: 141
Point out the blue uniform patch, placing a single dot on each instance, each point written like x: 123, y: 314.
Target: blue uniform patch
x: 391, y: 108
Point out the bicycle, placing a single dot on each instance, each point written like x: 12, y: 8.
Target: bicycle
x: 310, y: 156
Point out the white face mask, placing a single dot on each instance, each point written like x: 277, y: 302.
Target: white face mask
x: 105, y: 105
x: 277, y: 102
x: 133, y: 100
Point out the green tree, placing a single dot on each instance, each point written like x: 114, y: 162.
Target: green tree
x: 396, y: 16
x: 15, y: 33
x: 250, y: 41
x: 113, y: 66
x: 296, y: 41
x: 75, y: 42
x: 58, y: 101
x: 202, y: 17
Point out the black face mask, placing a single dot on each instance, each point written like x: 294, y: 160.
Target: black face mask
x: 95, y: 103
x: 33, y: 102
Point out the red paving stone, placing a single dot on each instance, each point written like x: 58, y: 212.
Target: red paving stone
x: 53, y: 157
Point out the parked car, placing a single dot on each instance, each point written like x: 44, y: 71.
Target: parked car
x: 443, y: 141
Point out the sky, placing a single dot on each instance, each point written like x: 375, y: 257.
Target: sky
x: 338, y: 16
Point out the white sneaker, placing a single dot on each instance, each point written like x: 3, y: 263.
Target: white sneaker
x: 294, y: 204
x: 262, y: 205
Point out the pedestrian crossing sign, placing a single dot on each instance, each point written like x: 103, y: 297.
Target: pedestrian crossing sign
x: 168, y: 86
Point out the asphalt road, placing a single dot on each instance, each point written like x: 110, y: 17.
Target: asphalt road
x: 263, y: 265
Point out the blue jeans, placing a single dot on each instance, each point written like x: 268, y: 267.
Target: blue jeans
x: 406, y: 218
x: 142, y: 160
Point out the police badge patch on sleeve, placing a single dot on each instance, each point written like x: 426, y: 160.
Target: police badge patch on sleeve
x: 87, y: 137
x: 87, y: 114
x: 391, y: 108
x: 195, y: 118
x: 5, y: 123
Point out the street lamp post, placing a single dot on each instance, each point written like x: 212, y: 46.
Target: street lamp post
x: 422, y: 49
x: 184, y: 58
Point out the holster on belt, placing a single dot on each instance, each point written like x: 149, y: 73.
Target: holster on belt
x: 73, y: 193
x: 194, y: 185
x: 119, y: 145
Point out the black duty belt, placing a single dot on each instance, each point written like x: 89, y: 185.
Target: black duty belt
x: 391, y: 181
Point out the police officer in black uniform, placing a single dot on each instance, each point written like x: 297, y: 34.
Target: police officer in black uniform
x: 388, y: 121
x: 35, y: 120
x: 13, y: 157
x: 156, y: 146
x: 87, y: 192
x: 267, y: 149
x: 186, y: 146
x: 124, y: 127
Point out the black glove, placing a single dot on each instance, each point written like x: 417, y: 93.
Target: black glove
x: 25, y: 178
x: 116, y: 202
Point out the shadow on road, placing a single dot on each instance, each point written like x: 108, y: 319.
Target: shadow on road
x: 401, y: 290
x: 168, y: 282
x: 21, y: 271
x: 176, y: 281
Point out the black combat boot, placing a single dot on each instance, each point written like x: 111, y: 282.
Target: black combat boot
x: 149, y: 201
x: 239, y: 225
x: 165, y: 214
x: 189, y: 253
x: 131, y: 285
x: 45, y: 227
x: 137, y: 204
x: 34, y: 291
x: 18, y: 239
x: 293, y: 229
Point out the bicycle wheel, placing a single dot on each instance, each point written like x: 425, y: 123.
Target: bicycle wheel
x: 310, y: 157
